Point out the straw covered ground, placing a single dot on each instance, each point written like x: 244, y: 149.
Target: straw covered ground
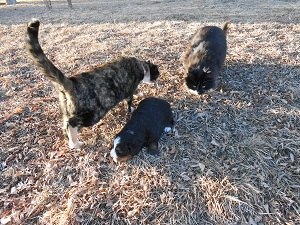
x: 233, y: 156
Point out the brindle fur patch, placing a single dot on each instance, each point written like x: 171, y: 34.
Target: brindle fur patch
x: 86, y: 97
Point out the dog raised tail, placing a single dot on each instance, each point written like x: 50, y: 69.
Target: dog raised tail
x: 58, y: 79
x: 225, y: 27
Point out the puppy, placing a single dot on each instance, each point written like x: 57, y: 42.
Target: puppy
x: 204, y: 58
x: 152, y: 117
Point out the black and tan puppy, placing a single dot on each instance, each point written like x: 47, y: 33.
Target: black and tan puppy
x: 86, y: 97
x: 204, y: 58
x: 152, y: 117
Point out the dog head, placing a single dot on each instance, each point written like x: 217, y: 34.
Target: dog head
x: 124, y: 149
x: 151, y: 72
x: 200, y: 79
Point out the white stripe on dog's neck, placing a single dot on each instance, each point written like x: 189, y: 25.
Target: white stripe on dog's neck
x: 146, y: 78
x: 145, y: 72
x: 113, y: 153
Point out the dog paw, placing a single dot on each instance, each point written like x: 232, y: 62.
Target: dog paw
x: 77, y: 145
x: 167, y: 129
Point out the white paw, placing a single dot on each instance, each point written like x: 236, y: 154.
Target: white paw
x: 193, y: 92
x: 167, y: 129
x: 77, y: 145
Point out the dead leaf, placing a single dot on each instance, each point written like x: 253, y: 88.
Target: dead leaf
x: 18, y: 110
x: 5, y: 220
x: 215, y: 143
x: 251, y: 221
x: 132, y: 213
x: 109, y: 203
x: 202, y: 166
x: 172, y: 150
x: 13, y: 190
x: 266, y: 207
x: 185, y: 177
x: 292, y: 157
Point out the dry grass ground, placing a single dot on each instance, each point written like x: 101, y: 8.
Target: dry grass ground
x: 233, y: 157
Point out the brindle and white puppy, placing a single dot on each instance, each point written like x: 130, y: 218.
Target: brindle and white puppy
x: 152, y: 117
x: 86, y: 97
x: 204, y: 58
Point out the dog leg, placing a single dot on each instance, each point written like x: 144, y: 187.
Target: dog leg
x: 72, y: 133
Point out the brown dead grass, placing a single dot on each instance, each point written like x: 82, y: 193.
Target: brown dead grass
x: 233, y: 157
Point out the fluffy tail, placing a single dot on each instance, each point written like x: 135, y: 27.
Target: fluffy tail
x: 57, y: 78
x: 225, y: 27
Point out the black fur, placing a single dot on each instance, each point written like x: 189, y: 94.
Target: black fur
x: 205, y: 58
x: 144, y: 129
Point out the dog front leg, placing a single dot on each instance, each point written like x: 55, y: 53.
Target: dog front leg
x: 72, y: 133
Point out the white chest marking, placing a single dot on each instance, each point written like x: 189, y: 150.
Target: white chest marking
x: 147, y: 79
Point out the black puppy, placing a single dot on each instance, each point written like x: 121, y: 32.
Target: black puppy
x: 152, y: 117
x: 204, y: 58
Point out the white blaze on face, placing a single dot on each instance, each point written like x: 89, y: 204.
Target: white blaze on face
x: 113, y: 153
